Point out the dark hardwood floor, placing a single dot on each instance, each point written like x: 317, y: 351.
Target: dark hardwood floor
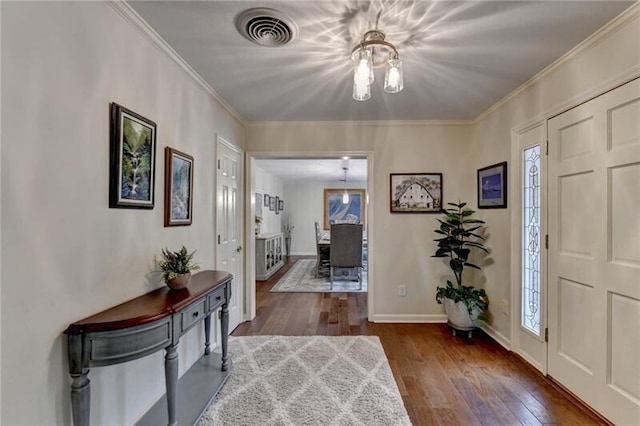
x: 442, y: 379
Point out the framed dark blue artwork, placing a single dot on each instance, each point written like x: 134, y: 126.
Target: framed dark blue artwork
x: 492, y: 186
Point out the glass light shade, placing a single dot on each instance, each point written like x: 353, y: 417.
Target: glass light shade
x: 362, y: 72
x: 345, y: 197
x: 393, y: 79
x: 361, y: 90
x: 363, y: 66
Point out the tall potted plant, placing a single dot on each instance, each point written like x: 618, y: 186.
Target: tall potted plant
x: 463, y: 303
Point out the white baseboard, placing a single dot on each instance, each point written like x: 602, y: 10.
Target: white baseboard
x: 535, y: 364
x: 298, y: 253
x: 496, y: 335
x: 408, y: 318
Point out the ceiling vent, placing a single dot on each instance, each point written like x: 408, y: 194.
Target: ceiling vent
x: 266, y: 27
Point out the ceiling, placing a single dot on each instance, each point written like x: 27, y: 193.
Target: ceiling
x: 460, y: 57
x: 307, y: 170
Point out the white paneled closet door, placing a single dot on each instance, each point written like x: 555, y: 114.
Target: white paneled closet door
x: 594, y: 252
x: 229, y: 224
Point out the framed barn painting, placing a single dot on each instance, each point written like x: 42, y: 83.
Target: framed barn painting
x: 492, y: 186
x: 132, y: 156
x: 178, y: 188
x: 416, y: 192
x: 339, y: 208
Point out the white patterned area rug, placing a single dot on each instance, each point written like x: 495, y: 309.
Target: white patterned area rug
x: 309, y: 380
x: 301, y: 278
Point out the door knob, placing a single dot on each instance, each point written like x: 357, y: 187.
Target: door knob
x: 239, y: 249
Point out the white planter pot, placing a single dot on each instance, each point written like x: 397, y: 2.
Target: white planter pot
x: 458, y: 315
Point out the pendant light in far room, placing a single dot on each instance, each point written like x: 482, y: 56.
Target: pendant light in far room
x: 345, y: 194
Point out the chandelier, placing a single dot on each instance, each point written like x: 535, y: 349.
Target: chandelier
x: 374, y: 52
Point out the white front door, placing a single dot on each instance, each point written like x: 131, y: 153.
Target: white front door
x: 594, y: 252
x: 529, y: 180
x: 229, y: 224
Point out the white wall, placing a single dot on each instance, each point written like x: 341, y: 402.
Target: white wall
x: 65, y: 254
x: 607, y: 58
x: 266, y: 183
x: 404, y: 241
x: 305, y: 206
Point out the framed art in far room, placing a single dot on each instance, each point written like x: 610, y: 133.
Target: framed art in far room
x: 492, y: 186
x: 132, y: 159
x: 178, y: 187
x: 267, y: 200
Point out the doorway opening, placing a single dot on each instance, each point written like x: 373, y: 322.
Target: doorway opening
x: 292, y: 202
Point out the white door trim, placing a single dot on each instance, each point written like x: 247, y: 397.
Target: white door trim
x: 249, y: 243
x: 515, y: 194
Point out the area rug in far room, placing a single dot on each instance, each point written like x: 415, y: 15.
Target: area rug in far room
x: 301, y: 278
x: 307, y: 380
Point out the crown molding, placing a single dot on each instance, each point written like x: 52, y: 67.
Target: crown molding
x: 609, y: 29
x: 137, y: 22
x: 346, y: 123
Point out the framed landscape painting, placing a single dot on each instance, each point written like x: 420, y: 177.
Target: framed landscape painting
x: 132, y: 156
x: 416, y: 192
x: 178, y: 188
x: 492, y: 186
x: 337, y: 211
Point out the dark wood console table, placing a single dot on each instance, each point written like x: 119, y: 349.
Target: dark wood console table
x: 144, y: 325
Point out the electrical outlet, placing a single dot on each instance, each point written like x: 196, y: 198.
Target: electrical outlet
x: 402, y: 290
x: 505, y: 307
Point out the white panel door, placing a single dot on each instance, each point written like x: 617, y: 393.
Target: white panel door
x: 594, y: 253
x: 229, y: 224
x: 531, y: 296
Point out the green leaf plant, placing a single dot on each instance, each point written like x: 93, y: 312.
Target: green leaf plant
x: 458, y: 238
x: 174, y: 263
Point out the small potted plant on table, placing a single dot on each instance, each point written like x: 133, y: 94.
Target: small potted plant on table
x: 463, y: 303
x: 176, y: 267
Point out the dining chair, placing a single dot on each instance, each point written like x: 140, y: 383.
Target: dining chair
x: 322, y: 253
x: 346, y: 249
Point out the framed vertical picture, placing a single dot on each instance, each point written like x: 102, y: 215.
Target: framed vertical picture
x: 416, y: 192
x: 492, y: 186
x: 277, y: 205
x: 132, y: 156
x: 281, y: 205
x: 258, y: 204
x: 178, y: 188
x: 267, y: 200
x: 272, y: 203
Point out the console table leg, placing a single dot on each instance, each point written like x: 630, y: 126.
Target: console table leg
x: 207, y: 335
x: 224, y: 334
x: 80, y: 398
x: 171, y: 378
